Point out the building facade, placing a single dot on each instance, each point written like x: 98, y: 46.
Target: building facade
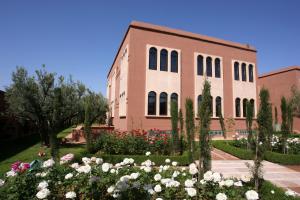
x: 156, y: 64
x: 279, y: 84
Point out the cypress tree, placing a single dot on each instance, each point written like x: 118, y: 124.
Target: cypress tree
x: 284, y: 123
x: 276, y: 116
x: 174, y: 122
x: 222, y: 124
x: 290, y: 116
x: 181, y: 131
x: 190, y: 126
x: 204, y: 114
x: 249, y: 120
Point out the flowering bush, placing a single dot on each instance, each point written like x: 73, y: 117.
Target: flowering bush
x: 96, y: 179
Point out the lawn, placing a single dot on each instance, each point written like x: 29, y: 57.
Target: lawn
x: 31, y: 151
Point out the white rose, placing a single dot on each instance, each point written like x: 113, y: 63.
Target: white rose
x: 93, y: 159
x: 221, y: 183
x: 157, y: 177
x: 189, y: 183
x: 84, y: 169
x: 167, y: 160
x: 175, y: 174
x: 238, y: 184
x: 86, y: 160
x: 221, y: 196
x: 68, y: 176
x: 110, y: 189
x: 174, y: 163
x: 251, y: 195
x: 158, y: 199
x: 216, y: 177
x: 1, y: 182
x: 147, y: 169
x: 42, y: 194
x: 42, y: 185
x: 112, y: 171
x: 11, y: 173
x: 48, y: 163
x: 148, y: 153
x: 99, y: 161
x: 70, y: 195
x: 157, y: 188
x: 208, y: 176
x: 75, y: 166
x: 272, y: 192
x: 229, y: 183
x: 193, y: 169
x: 166, y: 167
x: 105, y: 167
x: 191, y: 191
x: 134, y: 175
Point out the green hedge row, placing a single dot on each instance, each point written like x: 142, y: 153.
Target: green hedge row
x: 158, y: 159
x: 247, y: 154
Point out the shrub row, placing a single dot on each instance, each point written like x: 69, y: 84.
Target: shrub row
x: 247, y: 154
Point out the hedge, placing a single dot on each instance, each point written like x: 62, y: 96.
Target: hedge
x: 286, y: 159
x: 158, y: 159
x: 279, y: 193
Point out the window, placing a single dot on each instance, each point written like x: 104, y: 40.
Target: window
x: 163, y: 103
x: 236, y: 71
x: 174, y: 61
x: 151, y: 103
x: 217, y: 68
x: 238, y: 107
x: 244, y: 73
x: 251, y: 73
x: 245, y: 107
x: 253, y: 106
x: 200, y: 65
x: 208, y: 67
x: 153, y: 58
x: 174, y: 97
x: 218, y: 106
x: 163, y: 60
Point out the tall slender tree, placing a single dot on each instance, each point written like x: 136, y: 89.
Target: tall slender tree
x: 276, y: 115
x: 190, y: 126
x: 249, y: 121
x: 204, y: 114
x: 181, y: 131
x: 222, y: 124
x: 174, y: 123
x: 290, y: 119
x: 284, y: 123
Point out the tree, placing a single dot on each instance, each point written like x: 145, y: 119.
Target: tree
x: 290, y: 120
x: 295, y: 100
x: 222, y: 124
x: 276, y: 116
x: 284, y: 123
x: 174, y: 122
x: 190, y: 127
x: 204, y: 115
x: 181, y: 131
x: 249, y: 120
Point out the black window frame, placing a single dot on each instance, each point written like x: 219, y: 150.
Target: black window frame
x: 164, y: 60
x: 217, y: 68
x: 163, y: 105
x: 218, y: 106
x: 152, y: 95
x: 245, y: 107
x: 153, y: 58
x: 236, y: 71
x: 200, y: 65
x: 250, y: 67
x: 237, y: 107
x: 244, y: 72
x: 208, y: 66
x: 174, y: 61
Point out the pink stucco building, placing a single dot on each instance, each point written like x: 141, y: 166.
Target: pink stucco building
x: 155, y: 64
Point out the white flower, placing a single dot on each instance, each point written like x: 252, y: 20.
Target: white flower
x: 216, y: 177
x: 221, y: 183
x: 66, y: 158
x: 42, y: 185
x: 68, y: 176
x: 251, y: 195
x: 164, y: 181
x: 110, y: 189
x: 112, y: 171
x: 238, y: 184
x: 99, y: 161
x: 1, y: 182
x: 172, y: 183
x: 174, y: 163
x: 189, y: 183
x: 105, y: 167
x: 175, y: 174
x: 208, y: 176
x: 166, y: 167
x: 11, y: 173
x: 134, y: 175
x: 42, y: 194
x: 193, y: 169
x: 158, y: 199
x: 191, y: 191
x: 167, y: 160
x: 147, y: 163
x: 86, y: 160
x: 148, y: 153
x: 147, y: 169
x: 183, y: 174
x: 157, y: 177
x: 290, y: 193
x: 157, y: 188
x: 84, y: 169
x: 93, y: 159
x: 229, y: 183
x: 150, y: 191
x: 202, y: 181
x: 221, y: 196
x: 48, y: 163
x: 70, y: 195
x: 43, y: 174
x: 272, y: 192
x: 75, y: 166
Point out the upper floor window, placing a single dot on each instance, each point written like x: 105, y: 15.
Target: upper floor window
x: 217, y: 68
x: 244, y: 73
x: 238, y: 107
x: 200, y: 65
x: 218, y: 106
x: 153, y: 58
x: 152, y: 103
x: 209, y: 67
x: 251, y: 73
x: 163, y: 60
x: 174, y: 61
x: 236, y: 71
x: 245, y: 107
x: 163, y: 103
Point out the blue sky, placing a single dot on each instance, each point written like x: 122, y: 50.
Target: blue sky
x: 80, y: 38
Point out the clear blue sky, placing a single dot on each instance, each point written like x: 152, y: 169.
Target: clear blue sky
x: 81, y: 37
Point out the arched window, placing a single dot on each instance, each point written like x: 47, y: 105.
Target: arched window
x: 208, y: 67
x: 163, y: 103
x: 174, y: 61
x: 174, y: 98
x: 244, y: 73
x: 237, y: 107
x: 253, y: 106
x: 236, y: 71
x: 200, y: 65
x: 151, y: 103
x: 217, y: 68
x: 163, y: 60
x: 152, y: 58
x: 218, y: 106
x: 245, y: 107
x: 251, y: 73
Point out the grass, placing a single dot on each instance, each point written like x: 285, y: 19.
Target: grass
x: 279, y: 193
x: 31, y: 151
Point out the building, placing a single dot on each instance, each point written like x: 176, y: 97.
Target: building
x: 279, y: 83
x: 155, y: 64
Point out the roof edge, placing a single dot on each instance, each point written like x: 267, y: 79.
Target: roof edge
x: 280, y: 71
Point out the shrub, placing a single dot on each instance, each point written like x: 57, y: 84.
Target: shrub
x: 235, y: 151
